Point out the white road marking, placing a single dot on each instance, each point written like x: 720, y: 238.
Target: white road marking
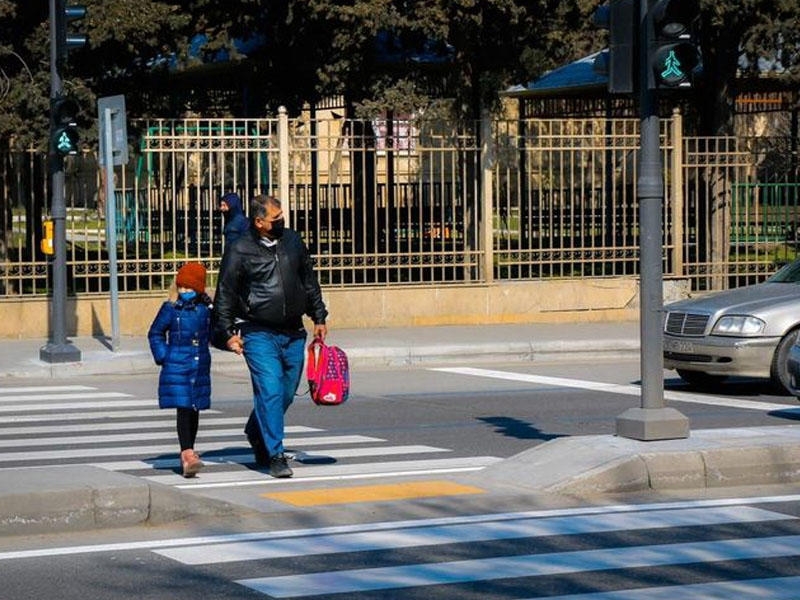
x: 43, y: 388
x: 773, y: 588
x: 418, y: 472
x: 389, y: 526
x: 169, y: 449
x: 463, y: 533
x: 333, y: 453
x: 167, y: 423
x: 97, y: 415
x: 506, y: 567
x: 202, y: 435
x: 59, y: 406
x: 219, y: 479
x: 614, y: 388
x: 21, y: 399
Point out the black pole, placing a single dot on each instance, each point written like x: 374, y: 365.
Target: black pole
x: 652, y: 421
x: 58, y: 349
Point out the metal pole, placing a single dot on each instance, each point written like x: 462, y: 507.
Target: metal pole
x: 283, y: 167
x: 652, y: 421
x: 650, y: 195
x: 58, y: 349
x: 111, y: 229
x: 487, y: 198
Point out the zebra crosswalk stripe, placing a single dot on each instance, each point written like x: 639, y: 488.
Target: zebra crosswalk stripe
x: 40, y: 455
x: 774, y: 588
x: 116, y: 438
x: 387, y: 527
x: 345, y: 471
x: 103, y: 414
x: 21, y: 399
x: 532, y: 565
x: 331, y: 453
x: 29, y: 438
x: 55, y: 407
x: 43, y: 388
x: 466, y: 532
x: 167, y: 421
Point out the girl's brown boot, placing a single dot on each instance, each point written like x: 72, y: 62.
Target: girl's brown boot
x: 191, y: 463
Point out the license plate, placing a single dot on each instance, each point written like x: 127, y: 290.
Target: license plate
x: 679, y: 346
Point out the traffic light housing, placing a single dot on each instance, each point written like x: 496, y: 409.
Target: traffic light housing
x: 618, y: 62
x: 46, y: 243
x: 64, y: 136
x: 673, y: 49
x: 65, y: 40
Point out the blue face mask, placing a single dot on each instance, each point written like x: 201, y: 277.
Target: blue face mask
x: 186, y: 296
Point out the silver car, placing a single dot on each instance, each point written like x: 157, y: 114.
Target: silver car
x: 747, y: 331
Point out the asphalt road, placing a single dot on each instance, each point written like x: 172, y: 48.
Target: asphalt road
x: 492, y: 409
x: 411, y: 419
x: 700, y: 549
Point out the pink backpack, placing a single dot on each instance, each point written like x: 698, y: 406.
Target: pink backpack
x: 328, y: 373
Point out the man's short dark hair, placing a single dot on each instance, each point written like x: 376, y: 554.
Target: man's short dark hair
x: 259, y: 204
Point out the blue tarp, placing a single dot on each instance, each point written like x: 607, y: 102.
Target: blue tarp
x: 576, y: 76
x: 579, y: 76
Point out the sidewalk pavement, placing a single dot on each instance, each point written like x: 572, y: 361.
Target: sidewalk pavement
x: 77, y: 497
x: 364, y: 347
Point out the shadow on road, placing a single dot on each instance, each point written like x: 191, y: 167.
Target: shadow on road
x: 515, y: 428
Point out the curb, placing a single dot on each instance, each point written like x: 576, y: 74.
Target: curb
x: 37, y: 500
x: 607, y: 464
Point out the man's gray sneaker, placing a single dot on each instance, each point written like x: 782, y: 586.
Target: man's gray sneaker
x: 278, y: 467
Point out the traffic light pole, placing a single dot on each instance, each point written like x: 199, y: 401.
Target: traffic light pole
x: 653, y: 420
x: 58, y: 349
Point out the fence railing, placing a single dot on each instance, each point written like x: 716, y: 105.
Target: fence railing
x: 407, y: 202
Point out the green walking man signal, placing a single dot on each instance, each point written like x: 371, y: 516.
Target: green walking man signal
x: 64, y: 137
x: 673, y: 67
x: 673, y: 48
x: 67, y: 143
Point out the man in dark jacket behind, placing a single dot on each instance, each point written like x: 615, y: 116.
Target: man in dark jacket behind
x: 266, y: 284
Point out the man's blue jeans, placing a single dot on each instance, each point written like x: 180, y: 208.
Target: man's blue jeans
x: 275, y: 361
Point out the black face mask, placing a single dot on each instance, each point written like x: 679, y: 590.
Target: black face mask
x: 276, y: 229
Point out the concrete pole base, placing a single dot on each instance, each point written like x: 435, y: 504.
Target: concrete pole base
x: 649, y: 424
x: 59, y: 353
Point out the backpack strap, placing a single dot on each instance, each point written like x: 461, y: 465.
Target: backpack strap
x: 313, y: 359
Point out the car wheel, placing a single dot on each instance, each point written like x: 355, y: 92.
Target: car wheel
x: 700, y: 379
x: 779, y: 371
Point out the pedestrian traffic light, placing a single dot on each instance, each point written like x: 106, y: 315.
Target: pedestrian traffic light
x: 64, y: 39
x: 673, y: 49
x: 64, y: 137
x: 617, y: 61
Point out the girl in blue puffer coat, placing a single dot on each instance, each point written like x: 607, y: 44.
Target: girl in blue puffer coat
x: 179, y: 338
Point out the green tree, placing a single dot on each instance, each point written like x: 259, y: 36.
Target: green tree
x: 285, y: 46
x: 739, y: 39
x: 126, y: 40
x: 24, y: 70
x: 763, y: 32
x: 483, y: 46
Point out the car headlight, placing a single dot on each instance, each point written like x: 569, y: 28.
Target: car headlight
x: 738, y: 325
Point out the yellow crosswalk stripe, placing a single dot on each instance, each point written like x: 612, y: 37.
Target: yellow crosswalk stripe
x: 373, y: 493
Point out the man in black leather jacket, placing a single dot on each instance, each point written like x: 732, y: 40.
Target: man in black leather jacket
x: 266, y: 284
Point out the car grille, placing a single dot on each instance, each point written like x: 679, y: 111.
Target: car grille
x: 681, y: 323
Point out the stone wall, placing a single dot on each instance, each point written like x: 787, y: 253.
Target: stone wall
x: 515, y: 302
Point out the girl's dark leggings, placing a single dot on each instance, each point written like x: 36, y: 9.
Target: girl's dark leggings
x: 188, y: 421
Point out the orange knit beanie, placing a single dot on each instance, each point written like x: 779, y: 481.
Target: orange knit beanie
x: 192, y: 276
